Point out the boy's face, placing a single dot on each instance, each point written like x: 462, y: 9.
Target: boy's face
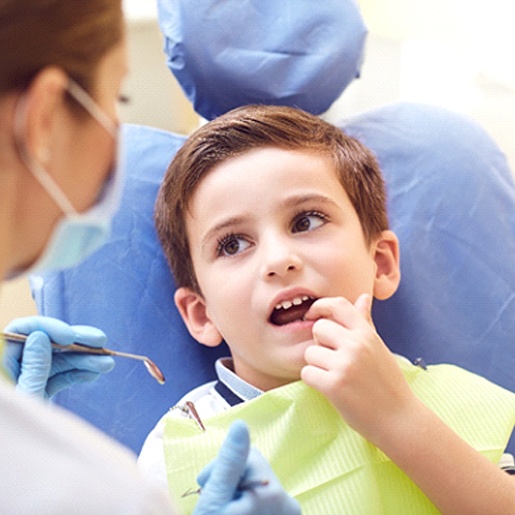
x: 267, y: 230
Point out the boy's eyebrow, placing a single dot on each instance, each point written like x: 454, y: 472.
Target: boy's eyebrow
x: 296, y: 200
x: 224, y: 224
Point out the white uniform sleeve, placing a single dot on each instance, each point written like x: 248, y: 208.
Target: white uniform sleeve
x: 53, y: 463
x: 151, y: 460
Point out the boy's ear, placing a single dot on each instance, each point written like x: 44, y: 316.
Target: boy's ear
x: 193, y: 311
x: 388, y: 273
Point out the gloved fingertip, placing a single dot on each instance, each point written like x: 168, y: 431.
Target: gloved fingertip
x: 239, y: 433
x: 234, y: 450
x: 104, y: 364
x: 89, y: 335
x: 220, y: 479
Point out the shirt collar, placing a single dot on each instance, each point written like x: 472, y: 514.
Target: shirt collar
x: 236, y: 385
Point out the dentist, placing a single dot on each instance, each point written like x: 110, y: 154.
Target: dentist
x: 61, y: 69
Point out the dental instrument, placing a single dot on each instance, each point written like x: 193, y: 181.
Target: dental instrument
x: 151, y: 367
x: 244, y: 485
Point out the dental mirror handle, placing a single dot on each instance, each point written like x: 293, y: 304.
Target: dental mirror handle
x: 151, y: 367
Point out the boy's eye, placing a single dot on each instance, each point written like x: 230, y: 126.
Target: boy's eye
x: 231, y: 245
x: 308, y: 221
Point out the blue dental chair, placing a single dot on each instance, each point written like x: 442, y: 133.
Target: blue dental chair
x: 451, y: 202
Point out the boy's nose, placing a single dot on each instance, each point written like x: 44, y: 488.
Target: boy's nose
x: 280, y: 260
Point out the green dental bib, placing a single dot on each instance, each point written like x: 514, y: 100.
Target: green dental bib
x: 321, y: 461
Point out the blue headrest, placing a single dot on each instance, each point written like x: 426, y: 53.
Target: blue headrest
x: 228, y: 53
x: 451, y: 202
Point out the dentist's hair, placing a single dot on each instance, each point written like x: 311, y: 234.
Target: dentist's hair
x: 70, y: 34
x: 242, y: 130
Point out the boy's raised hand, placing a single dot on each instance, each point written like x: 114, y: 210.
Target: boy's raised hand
x: 353, y: 368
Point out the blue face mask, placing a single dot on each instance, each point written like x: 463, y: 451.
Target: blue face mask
x: 76, y: 235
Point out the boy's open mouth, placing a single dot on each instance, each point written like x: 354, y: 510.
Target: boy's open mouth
x: 292, y: 310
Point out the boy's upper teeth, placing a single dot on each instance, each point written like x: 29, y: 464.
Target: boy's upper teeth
x: 287, y: 304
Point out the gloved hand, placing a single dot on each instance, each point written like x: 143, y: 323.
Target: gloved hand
x: 41, y: 372
x: 237, y: 463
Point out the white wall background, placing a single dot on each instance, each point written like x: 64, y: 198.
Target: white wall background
x: 453, y: 53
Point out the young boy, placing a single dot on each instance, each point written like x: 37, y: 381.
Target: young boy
x: 275, y: 227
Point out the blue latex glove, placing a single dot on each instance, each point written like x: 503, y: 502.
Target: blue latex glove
x: 236, y: 463
x: 41, y: 372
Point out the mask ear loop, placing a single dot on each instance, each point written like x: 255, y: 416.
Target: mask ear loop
x: 85, y: 100
x: 41, y: 175
x: 81, y: 96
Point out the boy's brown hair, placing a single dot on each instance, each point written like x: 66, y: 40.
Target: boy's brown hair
x: 242, y: 130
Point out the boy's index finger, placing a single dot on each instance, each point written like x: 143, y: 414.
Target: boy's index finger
x: 342, y: 311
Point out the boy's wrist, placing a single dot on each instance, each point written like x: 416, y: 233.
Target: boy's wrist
x: 412, y: 422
